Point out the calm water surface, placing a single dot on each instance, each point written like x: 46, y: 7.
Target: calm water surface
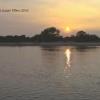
x: 49, y: 73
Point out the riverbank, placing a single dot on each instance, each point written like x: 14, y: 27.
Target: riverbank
x: 53, y: 44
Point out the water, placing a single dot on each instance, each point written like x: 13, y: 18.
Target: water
x: 49, y: 73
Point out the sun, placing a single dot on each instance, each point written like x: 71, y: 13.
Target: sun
x: 67, y: 29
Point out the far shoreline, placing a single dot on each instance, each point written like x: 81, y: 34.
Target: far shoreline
x: 52, y: 44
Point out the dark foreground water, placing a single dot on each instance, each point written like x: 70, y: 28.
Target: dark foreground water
x: 49, y: 73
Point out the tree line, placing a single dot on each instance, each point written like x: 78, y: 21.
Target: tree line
x: 51, y: 34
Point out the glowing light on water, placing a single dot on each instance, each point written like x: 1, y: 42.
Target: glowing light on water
x: 68, y: 60
x: 68, y: 56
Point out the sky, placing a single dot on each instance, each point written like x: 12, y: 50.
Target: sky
x: 73, y: 14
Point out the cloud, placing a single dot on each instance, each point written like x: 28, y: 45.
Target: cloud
x: 59, y: 13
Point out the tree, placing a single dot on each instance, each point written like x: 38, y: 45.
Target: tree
x: 51, y: 31
x: 81, y: 34
x: 50, y: 34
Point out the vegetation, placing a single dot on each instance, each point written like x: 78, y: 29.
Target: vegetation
x: 50, y: 34
x: 82, y: 36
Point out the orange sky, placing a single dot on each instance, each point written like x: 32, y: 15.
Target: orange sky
x: 75, y: 14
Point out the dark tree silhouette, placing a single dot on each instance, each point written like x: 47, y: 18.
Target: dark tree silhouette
x: 82, y: 36
x: 51, y: 31
x: 50, y: 34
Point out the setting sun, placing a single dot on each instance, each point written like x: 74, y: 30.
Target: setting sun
x: 67, y: 29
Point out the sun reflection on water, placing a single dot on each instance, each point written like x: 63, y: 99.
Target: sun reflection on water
x: 67, y: 68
